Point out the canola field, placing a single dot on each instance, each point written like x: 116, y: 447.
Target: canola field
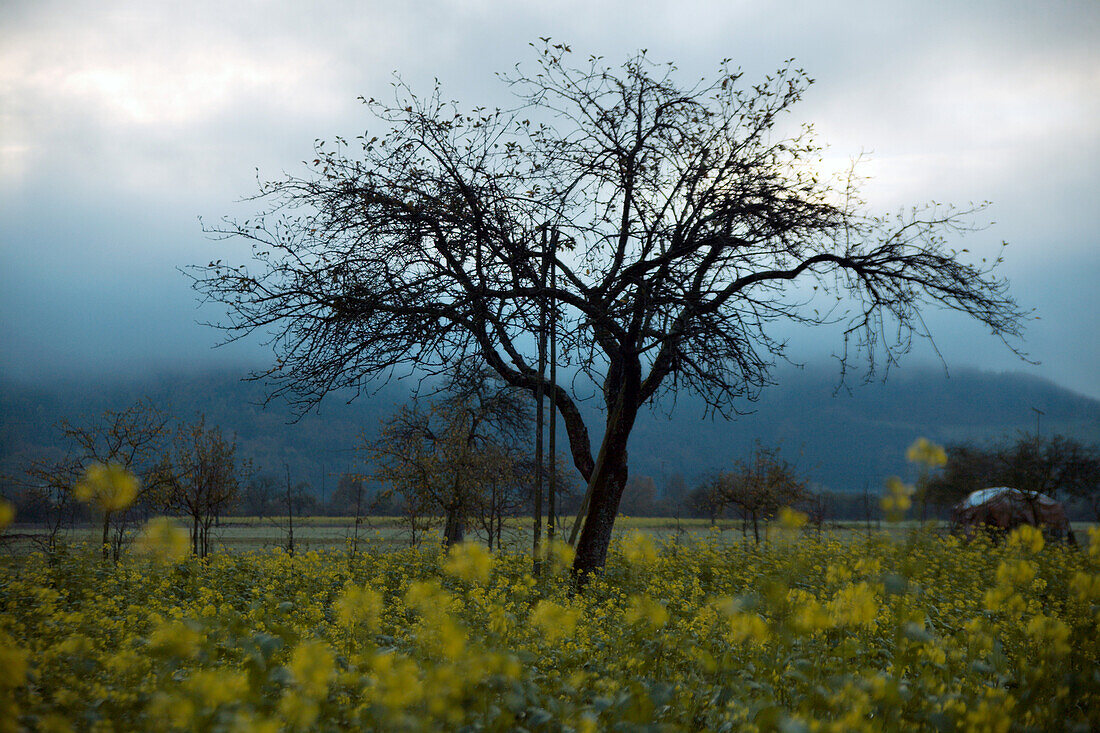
x: 803, y: 633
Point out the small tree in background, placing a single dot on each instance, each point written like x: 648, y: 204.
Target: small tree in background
x: 203, y: 476
x: 759, y: 487
x: 128, y: 439
x: 445, y: 456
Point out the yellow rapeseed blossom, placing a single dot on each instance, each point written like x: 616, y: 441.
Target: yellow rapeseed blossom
x: 312, y: 666
x: 1026, y: 537
x: 469, y: 561
x: 559, y: 555
x: 427, y: 597
x: 646, y: 610
x: 110, y: 487
x: 791, y: 518
x: 1015, y: 573
x: 13, y: 663
x: 854, y: 605
x: 897, y: 499
x: 7, y: 513
x: 358, y: 606
x: 926, y: 453
x: 809, y: 614
x: 553, y: 620
x: 638, y: 548
x: 1050, y: 634
x: 1086, y: 586
x: 163, y: 539
x: 1094, y: 542
x: 215, y: 687
x: 747, y: 627
x: 175, y: 638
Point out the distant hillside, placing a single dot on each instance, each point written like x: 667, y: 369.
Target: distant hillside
x: 841, y: 439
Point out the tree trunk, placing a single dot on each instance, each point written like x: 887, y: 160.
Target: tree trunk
x: 606, y: 489
x: 453, y: 530
x: 106, y: 534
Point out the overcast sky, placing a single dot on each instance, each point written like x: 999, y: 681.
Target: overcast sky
x: 122, y: 123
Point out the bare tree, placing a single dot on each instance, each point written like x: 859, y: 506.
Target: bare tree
x: 759, y: 487
x: 683, y: 223
x: 129, y: 438
x: 445, y: 456
x: 203, y: 475
x: 48, y: 484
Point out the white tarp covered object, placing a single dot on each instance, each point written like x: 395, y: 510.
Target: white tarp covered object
x: 981, y: 496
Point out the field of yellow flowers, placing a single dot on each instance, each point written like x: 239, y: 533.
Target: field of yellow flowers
x: 802, y: 633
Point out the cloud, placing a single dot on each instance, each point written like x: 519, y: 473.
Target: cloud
x: 121, y: 122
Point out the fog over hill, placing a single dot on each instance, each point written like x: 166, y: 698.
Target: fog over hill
x: 843, y: 439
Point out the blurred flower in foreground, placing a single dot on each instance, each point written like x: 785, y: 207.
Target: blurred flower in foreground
x: 163, y: 539
x: 111, y: 487
x: 897, y: 500
x: 469, y: 561
x: 1027, y: 537
x: 638, y: 549
x: 7, y: 513
x: 926, y: 453
x: 559, y: 555
x: 791, y: 518
x: 553, y: 620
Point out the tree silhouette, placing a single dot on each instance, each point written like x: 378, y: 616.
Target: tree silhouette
x: 682, y: 223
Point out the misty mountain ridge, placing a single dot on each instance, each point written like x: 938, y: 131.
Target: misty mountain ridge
x: 842, y: 439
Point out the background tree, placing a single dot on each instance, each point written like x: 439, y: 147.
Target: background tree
x: 445, y: 456
x: 684, y: 224
x: 707, y: 499
x: 759, y: 487
x: 203, y: 477
x: 46, y: 486
x: 130, y: 438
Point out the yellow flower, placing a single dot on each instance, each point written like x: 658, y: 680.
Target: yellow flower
x: 13, y: 663
x: 926, y: 453
x: 854, y: 605
x: 312, y: 666
x: 810, y: 615
x: 1086, y: 586
x: 643, y: 609
x: 110, y: 486
x: 554, y: 621
x: 215, y: 687
x: 7, y: 513
x: 469, y: 561
x: 362, y: 606
x: 162, y: 539
x: 791, y: 519
x: 1094, y: 542
x: 1050, y: 634
x: 175, y: 638
x: 897, y: 500
x: 559, y: 555
x: 298, y: 712
x: 1015, y: 573
x: 747, y: 627
x: 1026, y: 537
x: 638, y: 548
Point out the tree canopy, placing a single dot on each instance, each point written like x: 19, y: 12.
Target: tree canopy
x: 677, y: 220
